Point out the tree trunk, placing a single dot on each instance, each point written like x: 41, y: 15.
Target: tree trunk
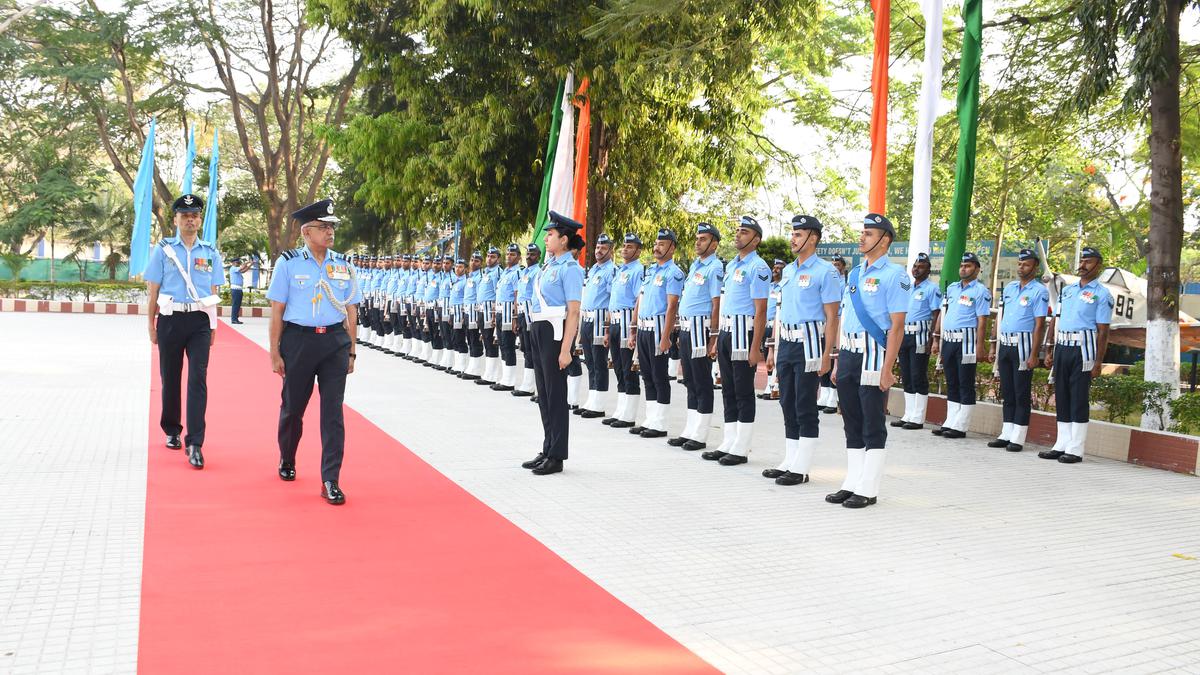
x: 1166, y: 217
x: 598, y: 147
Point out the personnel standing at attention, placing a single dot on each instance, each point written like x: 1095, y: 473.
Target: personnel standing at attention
x: 627, y: 283
x: 1024, y: 306
x: 183, y: 278
x: 446, y: 314
x: 827, y: 399
x: 771, y: 390
x: 872, y: 320
x: 533, y: 255
x: 699, y: 312
x: 963, y: 333
x: 314, y: 301
x: 654, y: 317
x: 506, y: 317
x: 554, y: 320
x: 806, y: 331
x: 924, y: 306
x: 596, y: 295
x: 1080, y: 330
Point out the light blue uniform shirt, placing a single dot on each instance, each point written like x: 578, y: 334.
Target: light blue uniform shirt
x: 506, y: 289
x: 560, y: 281
x: 884, y: 287
x: 703, y: 283
x: 1023, y: 305
x: 488, y: 278
x: 773, y: 300
x: 236, y: 278
x: 296, y: 283
x: 746, y: 280
x: 597, y: 289
x: 431, y: 285
x: 525, y: 284
x: 965, y: 304
x: 925, y: 299
x: 626, y: 284
x: 806, y: 287
x: 472, y: 287
x: 458, y: 289
x: 203, y: 263
x: 445, y: 283
x: 659, y: 282
x: 1082, y: 307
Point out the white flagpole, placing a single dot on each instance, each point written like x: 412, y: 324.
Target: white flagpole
x: 927, y: 105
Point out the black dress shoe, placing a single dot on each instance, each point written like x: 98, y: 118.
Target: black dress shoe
x: 694, y: 445
x: 636, y: 431
x: 608, y: 420
x: 1051, y: 454
x: 838, y: 497
x: 236, y: 322
x: 713, y: 455
x: 549, y: 466
x: 331, y: 493
x: 910, y: 426
x: 773, y: 473
x: 531, y: 464
x: 573, y: 407
x: 576, y: 410
x: 790, y: 478
x: 483, y: 382
x: 898, y: 423
x: 591, y: 414
x: 939, y: 431
x: 469, y: 377
x: 501, y: 387
x: 998, y: 443
x: 621, y: 424
x: 287, y: 471
x: 953, y: 433
x: 1068, y: 458
x: 830, y: 410
x: 1014, y: 447
x: 653, y: 433
x: 858, y: 501
x: 173, y: 442
x: 733, y: 460
x: 518, y: 392
x: 677, y: 441
x: 533, y: 399
x: 195, y: 457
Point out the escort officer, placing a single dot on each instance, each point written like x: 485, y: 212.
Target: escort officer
x: 739, y: 345
x: 653, y: 317
x: 597, y: 293
x: 771, y: 390
x: 237, y: 271
x: 872, y: 311
x: 1024, y: 306
x: 924, y: 306
x: 314, y: 299
x: 1080, y: 329
x: 183, y: 277
x: 699, y: 312
x: 626, y: 285
x: 554, y: 319
x: 806, y: 328
x: 506, y: 317
x: 533, y: 255
x: 963, y: 333
x: 827, y: 399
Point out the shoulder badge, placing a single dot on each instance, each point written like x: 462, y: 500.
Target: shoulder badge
x: 288, y: 255
x: 904, y: 285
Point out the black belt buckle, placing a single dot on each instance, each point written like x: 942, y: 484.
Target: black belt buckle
x: 319, y: 329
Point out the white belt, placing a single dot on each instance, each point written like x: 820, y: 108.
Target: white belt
x: 952, y: 336
x: 1011, y: 339
x: 236, y: 288
x: 792, y: 335
x: 648, y: 324
x: 913, y: 328
x: 1068, y: 338
x: 187, y: 307
x: 728, y: 319
x: 854, y: 342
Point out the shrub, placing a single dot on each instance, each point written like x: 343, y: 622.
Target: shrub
x: 1121, y: 395
x: 1185, y: 410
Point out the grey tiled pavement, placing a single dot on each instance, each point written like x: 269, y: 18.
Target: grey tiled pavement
x: 975, y: 560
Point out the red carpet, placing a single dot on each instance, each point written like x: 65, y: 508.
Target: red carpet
x: 245, y: 573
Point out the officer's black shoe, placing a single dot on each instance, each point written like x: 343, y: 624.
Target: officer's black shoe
x: 939, y: 431
x: 773, y: 473
x: 830, y: 410
x: 790, y: 478
x: 469, y: 377
x: 910, y: 426
x: 1068, y: 458
x: 677, y: 441
x: 653, y: 433
x: 533, y: 399
x: 898, y: 423
x: 195, y: 457
x: 518, y: 392
x: 173, y: 442
x: 331, y: 493
x: 998, y: 443
x: 1051, y: 454
x: 1014, y: 447
x: 858, y: 502
x: 549, y: 466
x: 953, y: 433
x: 622, y: 424
x: 502, y: 387
x: 576, y: 410
x: 287, y: 471
x: 235, y: 321
x: 733, y: 460
x: 591, y: 414
x: 636, y: 429
x: 482, y: 382
x: 541, y: 457
x: 694, y: 445
x: 712, y: 455
x: 838, y: 497
x: 608, y: 420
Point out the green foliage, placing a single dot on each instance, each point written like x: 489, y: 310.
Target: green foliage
x: 15, y: 262
x: 110, y: 291
x: 776, y: 247
x: 1126, y: 395
x: 1185, y: 411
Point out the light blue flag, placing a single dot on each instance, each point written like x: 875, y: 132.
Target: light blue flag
x: 189, y: 162
x: 143, y: 207
x: 209, y: 233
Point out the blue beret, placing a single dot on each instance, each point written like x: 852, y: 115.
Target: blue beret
x: 923, y: 257
x: 532, y: 248
x: 460, y: 261
x: 778, y: 261
x: 632, y: 238
x: 667, y: 235
x: 969, y: 257
x: 188, y: 204
x: 513, y: 248
x: 837, y: 257
x: 322, y: 211
x: 477, y: 255
x: 708, y: 228
x: 560, y: 222
x: 750, y: 224
x: 806, y: 223
x: 1026, y: 254
x: 875, y: 221
x: 1090, y: 252
x: 493, y: 249
x: 603, y: 239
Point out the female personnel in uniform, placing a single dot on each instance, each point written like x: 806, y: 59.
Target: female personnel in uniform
x: 557, y: 292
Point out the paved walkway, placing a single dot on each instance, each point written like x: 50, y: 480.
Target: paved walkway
x: 975, y: 559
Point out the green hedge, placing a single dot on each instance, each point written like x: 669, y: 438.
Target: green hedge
x: 113, y: 291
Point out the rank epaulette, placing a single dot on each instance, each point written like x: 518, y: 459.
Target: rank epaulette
x: 288, y: 255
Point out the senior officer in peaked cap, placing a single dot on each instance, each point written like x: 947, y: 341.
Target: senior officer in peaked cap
x: 183, y: 276
x: 314, y: 297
